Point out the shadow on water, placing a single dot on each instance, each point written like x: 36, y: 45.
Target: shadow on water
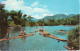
x: 4, y: 45
x: 3, y: 32
x: 23, y: 38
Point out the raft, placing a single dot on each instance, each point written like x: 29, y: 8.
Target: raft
x: 34, y: 32
x: 62, y: 31
x: 52, y: 36
x: 67, y: 48
x: 16, y: 37
x: 38, y: 31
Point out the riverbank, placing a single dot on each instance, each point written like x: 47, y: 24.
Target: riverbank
x: 12, y: 25
x: 73, y: 38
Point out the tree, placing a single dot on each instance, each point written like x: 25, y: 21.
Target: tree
x: 24, y: 19
x: 24, y: 15
x: 51, y: 22
x: 41, y: 22
x: 29, y: 19
x: 3, y: 20
x: 19, y: 14
x: 16, y: 16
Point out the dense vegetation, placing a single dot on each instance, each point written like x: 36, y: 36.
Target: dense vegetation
x: 73, y: 38
x: 68, y: 21
x: 51, y: 22
x: 3, y: 20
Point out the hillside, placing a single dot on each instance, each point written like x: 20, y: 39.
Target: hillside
x: 55, y: 17
x: 59, y: 16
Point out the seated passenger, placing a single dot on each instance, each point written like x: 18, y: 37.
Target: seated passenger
x: 41, y: 29
x: 22, y: 32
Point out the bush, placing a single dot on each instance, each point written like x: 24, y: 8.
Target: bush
x: 73, y: 38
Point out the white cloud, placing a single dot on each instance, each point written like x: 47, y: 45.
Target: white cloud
x: 35, y: 4
x: 36, y: 10
x: 47, y: 14
x: 66, y: 13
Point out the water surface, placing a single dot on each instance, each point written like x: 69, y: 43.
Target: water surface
x: 37, y: 42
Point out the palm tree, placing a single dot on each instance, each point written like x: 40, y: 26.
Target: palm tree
x: 19, y: 14
x: 29, y: 19
x: 24, y: 19
x: 24, y: 15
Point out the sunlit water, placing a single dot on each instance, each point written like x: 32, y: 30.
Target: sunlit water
x: 37, y: 42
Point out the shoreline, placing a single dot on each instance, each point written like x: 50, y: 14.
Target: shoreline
x: 40, y: 25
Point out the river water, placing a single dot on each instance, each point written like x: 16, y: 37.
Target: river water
x: 36, y: 42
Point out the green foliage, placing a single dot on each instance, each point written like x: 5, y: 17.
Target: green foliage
x: 24, y: 15
x: 29, y: 18
x: 69, y: 21
x: 73, y: 38
x: 32, y: 23
x: 16, y: 16
x: 41, y: 22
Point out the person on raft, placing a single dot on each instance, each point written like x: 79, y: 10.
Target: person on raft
x: 41, y: 29
x: 22, y: 32
x: 8, y: 31
x: 35, y: 28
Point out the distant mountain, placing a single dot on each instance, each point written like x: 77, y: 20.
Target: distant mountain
x: 55, y: 17
x: 36, y: 20
x: 59, y: 16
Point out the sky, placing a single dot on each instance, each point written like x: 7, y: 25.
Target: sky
x: 41, y: 8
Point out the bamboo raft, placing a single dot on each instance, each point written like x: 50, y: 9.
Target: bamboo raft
x: 37, y: 31
x: 67, y: 48
x: 62, y: 31
x: 52, y: 36
x: 16, y: 37
x: 34, y: 32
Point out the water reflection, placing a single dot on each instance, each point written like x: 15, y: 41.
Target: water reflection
x: 23, y: 38
x: 4, y: 45
x: 3, y: 32
x: 16, y: 29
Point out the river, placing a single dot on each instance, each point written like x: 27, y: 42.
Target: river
x: 36, y: 42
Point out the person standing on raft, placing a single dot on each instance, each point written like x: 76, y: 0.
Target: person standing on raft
x: 8, y: 31
x: 22, y: 32
x: 35, y: 28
